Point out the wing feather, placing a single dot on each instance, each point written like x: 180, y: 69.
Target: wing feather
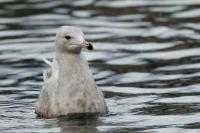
x: 53, y: 71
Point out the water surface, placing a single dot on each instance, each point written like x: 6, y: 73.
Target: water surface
x: 146, y: 61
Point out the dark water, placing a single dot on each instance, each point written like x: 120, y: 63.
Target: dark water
x: 147, y: 62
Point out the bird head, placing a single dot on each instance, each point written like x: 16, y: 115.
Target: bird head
x: 71, y: 39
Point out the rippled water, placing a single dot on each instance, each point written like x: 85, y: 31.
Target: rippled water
x: 146, y: 61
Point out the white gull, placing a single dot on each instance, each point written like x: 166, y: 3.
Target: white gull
x: 68, y: 85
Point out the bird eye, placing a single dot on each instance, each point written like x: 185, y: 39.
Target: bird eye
x: 68, y: 37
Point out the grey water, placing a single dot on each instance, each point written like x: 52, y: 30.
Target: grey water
x: 146, y: 61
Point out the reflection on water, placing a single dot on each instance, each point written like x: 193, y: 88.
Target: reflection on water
x: 146, y: 61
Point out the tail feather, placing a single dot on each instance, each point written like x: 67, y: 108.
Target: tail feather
x: 47, y: 62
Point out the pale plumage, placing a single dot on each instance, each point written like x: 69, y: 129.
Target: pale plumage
x: 68, y: 85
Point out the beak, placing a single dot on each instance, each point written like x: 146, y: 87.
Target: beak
x: 87, y: 45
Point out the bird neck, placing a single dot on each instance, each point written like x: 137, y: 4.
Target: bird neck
x: 69, y: 62
x: 73, y: 73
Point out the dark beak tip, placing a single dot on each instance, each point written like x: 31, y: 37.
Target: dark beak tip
x: 90, y: 47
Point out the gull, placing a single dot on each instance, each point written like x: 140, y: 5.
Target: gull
x: 69, y: 87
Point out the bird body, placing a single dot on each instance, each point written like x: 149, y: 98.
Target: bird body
x: 68, y: 85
